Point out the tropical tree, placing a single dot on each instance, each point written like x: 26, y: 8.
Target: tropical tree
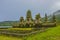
x: 46, y: 19
x: 21, y: 22
x: 54, y: 18
x: 38, y: 16
x: 38, y: 20
x: 28, y: 15
x: 21, y: 19
x: 29, y: 19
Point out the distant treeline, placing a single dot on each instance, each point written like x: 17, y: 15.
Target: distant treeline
x: 8, y: 23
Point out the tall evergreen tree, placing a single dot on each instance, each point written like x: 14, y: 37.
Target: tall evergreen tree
x: 38, y: 16
x: 21, y: 22
x: 21, y: 19
x: 29, y: 19
x: 54, y: 18
x: 29, y: 15
x: 38, y: 20
x: 46, y: 19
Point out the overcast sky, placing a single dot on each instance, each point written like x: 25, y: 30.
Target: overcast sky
x: 13, y: 9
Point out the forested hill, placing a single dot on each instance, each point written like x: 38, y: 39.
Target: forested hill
x: 57, y: 15
x: 8, y: 23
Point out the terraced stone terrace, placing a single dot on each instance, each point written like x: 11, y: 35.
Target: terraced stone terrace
x: 20, y: 32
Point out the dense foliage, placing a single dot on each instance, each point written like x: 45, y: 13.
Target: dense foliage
x: 29, y: 22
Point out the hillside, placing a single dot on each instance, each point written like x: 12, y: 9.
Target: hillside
x: 50, y: 34
x: 8, y: 23
x: 57, y: 14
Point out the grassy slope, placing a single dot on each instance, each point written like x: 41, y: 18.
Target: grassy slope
x: 50, y: 34
x: 8, y: 23
x: 2, y: 37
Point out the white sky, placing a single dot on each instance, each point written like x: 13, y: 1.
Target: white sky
x: 13, y: 9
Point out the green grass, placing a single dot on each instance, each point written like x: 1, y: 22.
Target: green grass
x: 14, y: 29
x: 50, y: 34
x: 3, y: 37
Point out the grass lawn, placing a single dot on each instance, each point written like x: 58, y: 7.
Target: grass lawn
x: 3, y: 37
x: 14, y: 29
